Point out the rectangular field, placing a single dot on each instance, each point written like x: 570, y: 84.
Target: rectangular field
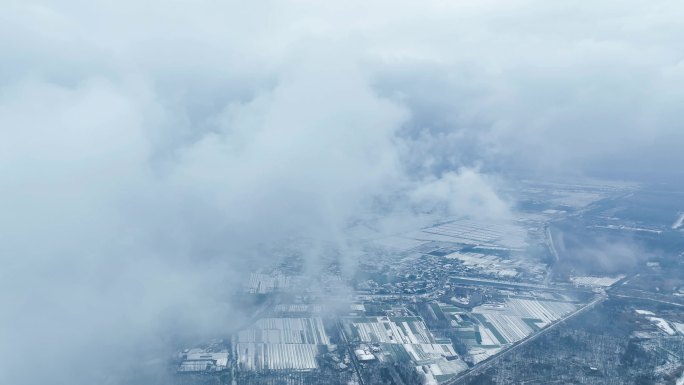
x: 281, y: 344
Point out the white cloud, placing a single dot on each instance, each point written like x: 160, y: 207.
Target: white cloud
x: 465, y: 192
x: 147, y: 147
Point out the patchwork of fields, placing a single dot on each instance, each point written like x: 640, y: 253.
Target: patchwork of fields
x: 281, y: 343
x: 397, y: 337
x: 492, y: 326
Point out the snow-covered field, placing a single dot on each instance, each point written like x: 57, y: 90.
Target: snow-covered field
x: 513, y: 319
x: 679, y: 327
x: 468, y: 231
x: 644, y: 312
x: 663, y: 325
x: 258, y: 356
x: 596, y: 281
x: 281, y: 343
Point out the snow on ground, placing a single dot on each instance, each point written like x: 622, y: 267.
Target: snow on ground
x: 480, y: 354
x: 644, y: 312
x: 596, y: 281
x: 679, y: 222
x: 397, y: 243
x: 662, y: 325
x: 488, y: 337
x: 679, y: 326
x: 575, y: 199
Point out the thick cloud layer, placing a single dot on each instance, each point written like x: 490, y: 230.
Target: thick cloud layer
x: 147, y: 149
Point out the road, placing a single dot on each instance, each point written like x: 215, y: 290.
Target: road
x: 486, y: 364
x: 645, y: 298
x: 351, y: 352
x: 489, y: 362
x: 617, y: 290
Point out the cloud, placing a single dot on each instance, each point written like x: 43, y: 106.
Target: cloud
x: 586, y: 252
x: 110, y: 245
x: 462, y: 193
x: 147, y: 150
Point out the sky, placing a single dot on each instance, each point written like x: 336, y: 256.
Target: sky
x: 148, y: 148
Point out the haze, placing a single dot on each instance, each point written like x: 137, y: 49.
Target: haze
x: 149, y: 151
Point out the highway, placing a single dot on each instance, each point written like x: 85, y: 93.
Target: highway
x: 489, y: 362
x: 483, y: 366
